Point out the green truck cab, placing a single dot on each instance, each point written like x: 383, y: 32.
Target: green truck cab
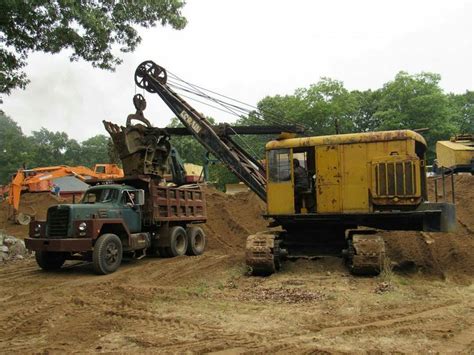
x: 126, y: 217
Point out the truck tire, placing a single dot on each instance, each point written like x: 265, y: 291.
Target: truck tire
x: 107, y: 254
x: 49, y: 261
x: 178, y: 241
x: 196, y: 240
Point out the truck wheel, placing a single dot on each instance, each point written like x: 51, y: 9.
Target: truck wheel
x: 196, y: 240
x: 107, y: 254
x: 178, y: 241
x: 49, y: 261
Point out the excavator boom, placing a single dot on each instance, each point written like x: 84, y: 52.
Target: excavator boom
x: 152, y: 78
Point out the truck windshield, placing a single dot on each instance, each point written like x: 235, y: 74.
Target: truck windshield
x: 100, y: 196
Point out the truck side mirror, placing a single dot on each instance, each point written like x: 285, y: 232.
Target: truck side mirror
x: 139, y: 197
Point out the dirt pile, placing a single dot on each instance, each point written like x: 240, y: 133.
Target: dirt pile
x: 35, y: 204
x: 231, y: 218
x: 447, y: 255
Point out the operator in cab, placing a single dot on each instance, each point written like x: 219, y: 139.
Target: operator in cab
x: 301, y: 184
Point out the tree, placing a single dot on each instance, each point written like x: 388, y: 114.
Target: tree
x: 324, y: 108
x: 367, y: 103
x: 49, y: 147
x: 417, y: 101
x: 95, y: 150
x: 14, y: 150
x: 329, y: 107
x: 189, y: 149
x: 463, y: 106
x: 89, y: 28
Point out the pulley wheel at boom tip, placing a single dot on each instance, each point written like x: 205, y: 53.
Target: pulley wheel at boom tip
x: 147, y: 71
x: 139, y: 102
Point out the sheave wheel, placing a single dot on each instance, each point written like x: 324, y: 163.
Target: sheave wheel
x: 49, y: 261
x: 107, y: 254
x: 196, y: 240
x: 178, y: 241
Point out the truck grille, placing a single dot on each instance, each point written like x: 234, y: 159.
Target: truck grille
x: 58, y: 220
x: 395, y: 179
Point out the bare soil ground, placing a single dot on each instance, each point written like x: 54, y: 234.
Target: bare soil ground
x: 208, y: 304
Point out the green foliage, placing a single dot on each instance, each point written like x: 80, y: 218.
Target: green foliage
x: 463, y: 108
x: 188, y: 147
x: 324, y: 108
x: 46, y: 148
x: 14, y: 147
x: 407, y: 102
x: 95, y: 150
x: 89, y: 28
x: 191, y: 151
x: 417, y: 101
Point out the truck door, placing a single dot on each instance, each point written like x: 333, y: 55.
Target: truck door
x: 280, y: 194
x: 131, y: 212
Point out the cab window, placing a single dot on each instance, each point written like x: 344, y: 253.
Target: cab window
x: 100, y: 169
x: 129, y: 198
x: 100, y: 196
x: 279, y: 168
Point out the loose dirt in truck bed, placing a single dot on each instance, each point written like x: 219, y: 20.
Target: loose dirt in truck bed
x: 209, y: 304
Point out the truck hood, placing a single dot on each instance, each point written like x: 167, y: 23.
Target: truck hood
x: 96, y: 210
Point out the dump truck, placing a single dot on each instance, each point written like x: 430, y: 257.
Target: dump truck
x: 357, y: 184
x: 126, y: 217
x: 455, y: 155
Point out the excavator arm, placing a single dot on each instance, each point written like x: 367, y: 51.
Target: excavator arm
x: 152, y: 78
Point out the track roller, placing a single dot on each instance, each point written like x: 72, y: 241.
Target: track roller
x: 365, y: 254
x: 262, y: 254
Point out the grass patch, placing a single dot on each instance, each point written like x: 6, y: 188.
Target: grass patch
x: 387, y: 274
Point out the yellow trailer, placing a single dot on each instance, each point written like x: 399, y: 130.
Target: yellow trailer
x: 456, y: 154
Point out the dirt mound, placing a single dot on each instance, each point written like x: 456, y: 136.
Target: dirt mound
x: 35, y: 204
x: 448, y: 255
x: 231, y: 218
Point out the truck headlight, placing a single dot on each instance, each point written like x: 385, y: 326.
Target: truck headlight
x: 82, y: 226
x: 37, y: 230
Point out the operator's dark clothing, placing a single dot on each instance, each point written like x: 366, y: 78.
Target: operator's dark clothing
x: 301, y: 179
x: 301, y: 185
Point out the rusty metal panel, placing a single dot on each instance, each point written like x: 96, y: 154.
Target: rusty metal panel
x: 178, y: 204
x: 355, y: 196
x: 328, y: 179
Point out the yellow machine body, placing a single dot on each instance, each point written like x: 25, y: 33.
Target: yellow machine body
x: 349, y: 173
x: 456, y: 153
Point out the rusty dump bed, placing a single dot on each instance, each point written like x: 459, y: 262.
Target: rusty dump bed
x: 185, y: 203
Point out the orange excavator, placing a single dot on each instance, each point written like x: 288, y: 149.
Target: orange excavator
x: 41, y: 180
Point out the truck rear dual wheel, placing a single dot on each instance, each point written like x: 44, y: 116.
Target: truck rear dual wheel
x: 178, y: 243
x: 50, y: 261
x: 107, y: 254
x: 196, y: 241
x: 191, y: 241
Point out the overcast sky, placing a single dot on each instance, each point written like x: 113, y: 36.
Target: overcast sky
x: 248, y: 49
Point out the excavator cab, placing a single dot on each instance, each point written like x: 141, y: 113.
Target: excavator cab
x: 282, y: 189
